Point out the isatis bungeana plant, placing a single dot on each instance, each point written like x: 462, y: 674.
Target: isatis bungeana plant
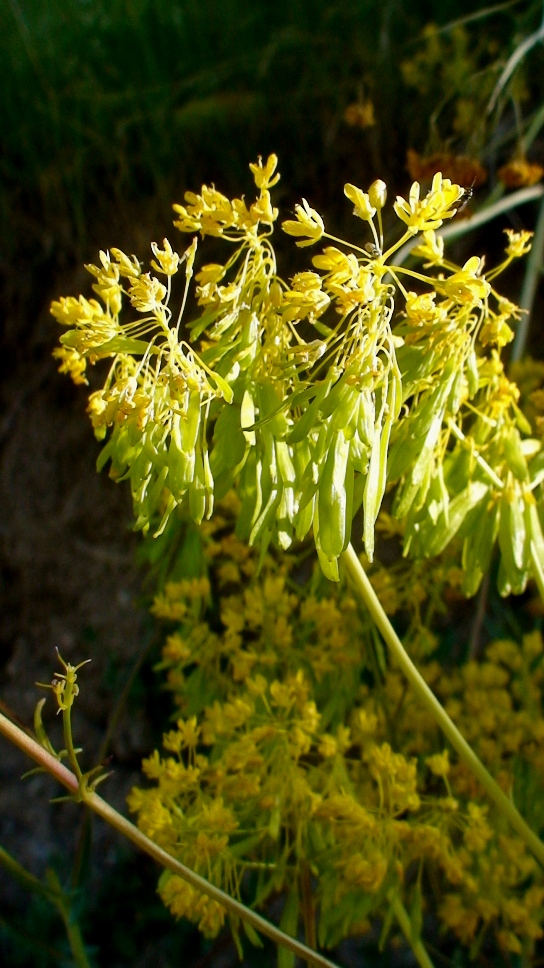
x: 311, y: 395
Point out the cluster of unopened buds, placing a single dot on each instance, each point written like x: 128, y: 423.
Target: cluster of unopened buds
x: 311, y: 395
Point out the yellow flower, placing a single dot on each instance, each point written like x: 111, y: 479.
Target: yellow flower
x: 107, y: 285
x: 467, y: 286
x: 309, y: 225
x: 430, y: 212
x: 167, y: 259
x: 71, y: 362
x: 439, y: 764
x: 363, y: 207
x: 262, y: 210
x: 128, y: 267
x: 264, y: 174
x: 432, y: 249
x: 519, y: 243
x: 365, y: 872
x: 147, y: 293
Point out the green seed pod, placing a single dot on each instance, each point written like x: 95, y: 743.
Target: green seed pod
x: 366, y: 417
x: 377, y: 474
x: 307, y: 488
x: 140, y: 471
x: 250, y: 493
x: 350, y: 491
x: 518, y: 533
x: 418, y: 480
x: 181, y: 465
x: 488, y: 532
x: 304, y: 425
x: 170, y: 505
x: 481, y: 525
x: 304, y: 518
x: 341, y: 398
x: 285, y: 464
x: 272, y: 410
x: 197, y: 491
x: 230, y: 446
x: 301, y: 455
x: 148, y: 500
x: 208, y: 484
x: 346, y: 410
x: 443, y: 531
x: 267, y: 516
x: 332, y: 502
x: 284, y: 517
x: 125, y: 450
x: 190, y: 425
x: 512, y: 578
x: 534, y: 533
x: 247, y: 418
x: 472, y: 578
x: 455, y: 396
x: 105, y: 454
x: 418, y: 430
x: 514, y: 455
x: 329, y: 566
x: 323, y: 443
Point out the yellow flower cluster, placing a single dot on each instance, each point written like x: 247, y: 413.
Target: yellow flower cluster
x: 310, y: 395
x: 297, y: 747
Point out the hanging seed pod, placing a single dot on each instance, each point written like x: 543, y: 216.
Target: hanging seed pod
x: 332, y: 501
x: 444, y: 530
x: 377, y: 472
x: 514, y: 455
x: 197, y: 491
x: 512, y: 577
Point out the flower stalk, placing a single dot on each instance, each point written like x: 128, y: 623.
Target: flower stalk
x: 367, y: 594
x: 69, y: 781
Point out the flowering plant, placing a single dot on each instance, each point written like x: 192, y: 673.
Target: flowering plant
x: 302, y: 402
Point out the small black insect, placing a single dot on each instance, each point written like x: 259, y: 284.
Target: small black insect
x: 466, y: 196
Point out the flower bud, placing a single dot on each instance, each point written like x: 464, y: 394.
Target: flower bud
x: 377, y: 193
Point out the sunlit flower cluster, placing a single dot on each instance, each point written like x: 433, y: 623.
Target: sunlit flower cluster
x: 311, y: 395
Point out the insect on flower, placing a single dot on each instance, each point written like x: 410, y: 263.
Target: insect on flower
x: 466, y: 196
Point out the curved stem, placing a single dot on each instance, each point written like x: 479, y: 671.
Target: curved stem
x: 60, y: 772
x: 416, y: 945
x: 426, y: 696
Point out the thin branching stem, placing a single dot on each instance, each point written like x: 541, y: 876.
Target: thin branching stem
x: 55, y: 768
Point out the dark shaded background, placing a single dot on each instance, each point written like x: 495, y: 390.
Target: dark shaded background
x: 109, y: 111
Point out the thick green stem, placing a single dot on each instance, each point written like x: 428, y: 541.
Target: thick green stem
x: 416, y: 945
x: 428, y: 699
x: 51, y: 765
